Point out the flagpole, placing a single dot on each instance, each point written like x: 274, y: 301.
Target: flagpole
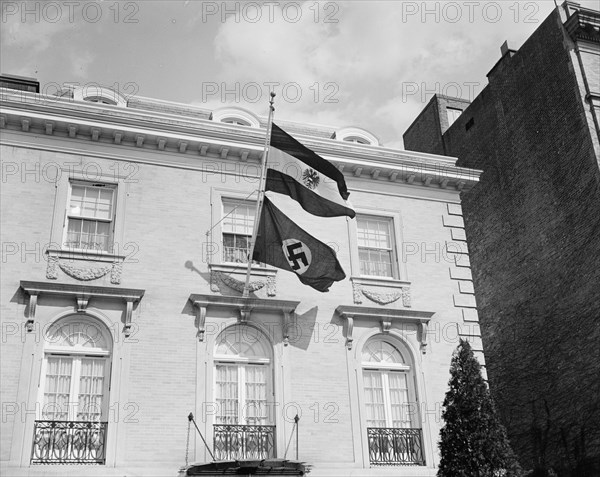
x: 261, y: 195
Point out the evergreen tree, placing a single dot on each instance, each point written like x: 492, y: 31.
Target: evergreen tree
x: 473, y: 441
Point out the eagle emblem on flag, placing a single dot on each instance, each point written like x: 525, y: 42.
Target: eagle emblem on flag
x: 311, y: 178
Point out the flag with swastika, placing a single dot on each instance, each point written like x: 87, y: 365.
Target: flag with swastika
x: 283, y: 244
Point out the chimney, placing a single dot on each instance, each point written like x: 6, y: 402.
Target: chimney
x: 20, y: 83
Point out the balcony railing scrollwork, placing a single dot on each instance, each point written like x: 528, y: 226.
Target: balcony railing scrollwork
x: 395, y: 446
x: 69, y: 442
x: 243, y: 442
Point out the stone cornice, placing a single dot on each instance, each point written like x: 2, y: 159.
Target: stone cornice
x: 135, y: 128
x: 583, y: 24
x: 68, y: 289
x: 82, y: 295
x: 244, y: 307
x: 385, y: 317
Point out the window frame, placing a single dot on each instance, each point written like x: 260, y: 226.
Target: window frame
x: 385, y: 369
x: 398, y: 268
x: 456, y: 112
x: 69, y: 217
x: 222, y: 219
x: 241, y: 363
x: 392, y: 250
x: 76, y: 355
x: 120, y: 185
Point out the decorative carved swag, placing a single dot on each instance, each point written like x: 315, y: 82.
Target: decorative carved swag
x: 227, y: 274
x: 382, y: 292
x: 64, y: 261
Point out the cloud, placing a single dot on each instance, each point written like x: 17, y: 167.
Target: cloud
x: 32, y: 26
x: 80, y: 63
x: 372, y: 56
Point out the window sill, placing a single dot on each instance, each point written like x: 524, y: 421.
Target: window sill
x: 233, y: 275
x: 381, y: 290
x: 85, y: 254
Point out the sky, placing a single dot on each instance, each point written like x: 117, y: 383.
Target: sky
x: 369, y: 64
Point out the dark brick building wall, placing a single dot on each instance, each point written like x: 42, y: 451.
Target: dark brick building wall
x: 533, y: 227
x: 426, y: 132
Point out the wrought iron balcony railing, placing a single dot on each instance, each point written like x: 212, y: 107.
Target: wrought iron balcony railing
x: 391, y: 446
x: 69, y: 442
x: 243, y: 442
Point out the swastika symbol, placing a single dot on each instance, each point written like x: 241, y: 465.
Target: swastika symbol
x: 293, y: 256
x: 297, y: 254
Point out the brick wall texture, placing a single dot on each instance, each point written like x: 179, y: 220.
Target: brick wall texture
x: 533, y: 229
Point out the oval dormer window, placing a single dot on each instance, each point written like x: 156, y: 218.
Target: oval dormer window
x: 356, y: 136
x: 98, y: 94
x: 356, y: 140
x: 235, y: 116
x: 100, y: 99
x: 236, y: 121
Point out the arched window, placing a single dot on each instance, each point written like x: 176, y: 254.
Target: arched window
x: 243, y: 426
x: 243, y: 377
x: 385, y: 376
x: 74, y: 393
x: 393, y: 429
x: 76, y: 371
x: 235, y: 115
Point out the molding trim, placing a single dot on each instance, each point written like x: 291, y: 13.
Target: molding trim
x: 81, y: 294
x: 386, y: 318
x: 244, y: 307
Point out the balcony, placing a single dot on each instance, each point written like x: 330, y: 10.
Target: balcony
x: 393, y: 446
x: 69, y: 442
x: 233, y: 442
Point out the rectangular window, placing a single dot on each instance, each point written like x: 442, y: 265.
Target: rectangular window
x: 453, y: 115
x: 386, y: 399
x: 75, y: 388
x: 238, y: 222
x: 90, y: 217
x: 375, y: 246
x: 245, y: 384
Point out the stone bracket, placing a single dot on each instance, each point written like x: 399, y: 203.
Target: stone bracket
x: 33, y: 297
x: 200, y: 320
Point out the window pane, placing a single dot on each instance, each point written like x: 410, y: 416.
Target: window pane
x: 77, y: 194
x: 89, y: 202
x: 227, y: 394
x: 91, y: 388
x: 57, y: 388
x: 104, y: 206
x: 88, y: 234
x: 92, y: 202
x: 379, y: 351
x: 238, y: 217
x: 374, y: 398
x: 399, y: 399
x: 375, y: 262
x: 373, y: 233
x: 256, y: 395
x: 74, y: 233
x: 236, y: 248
